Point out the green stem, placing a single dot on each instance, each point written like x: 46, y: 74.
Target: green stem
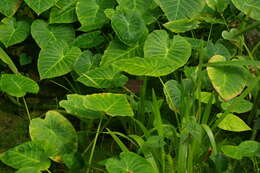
x: 27, y: 110
x: 141, y: 108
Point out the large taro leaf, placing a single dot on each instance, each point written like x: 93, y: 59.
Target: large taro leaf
x: 249, y: 7
x: 75, y: 105
x: 173, y: 94
x: 89, y: 40
x: 145, y: 66
x: 6, y: 59
x: 17, y: 85
x: 29, y: 170
x: 29, y: 154
x: 116, y: 50
x: 233, y: 123
x: 40, y: 6
x: 57, y: 59
x: 64, y: 12
x: 45, y: 34
x: 91, y: 13
x: 55, y: 133
x: 13, y: 32
x: 229, y: 81
x: 103, y: 77
x: 9, y: 7
x: 129, y: 26
x: 109, y: 103
x: 129, y: 163
x: 181, y: 9
x: 244, y: 149
x: 158, y: 45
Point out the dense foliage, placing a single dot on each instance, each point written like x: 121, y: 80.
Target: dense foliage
x: 130, y: 86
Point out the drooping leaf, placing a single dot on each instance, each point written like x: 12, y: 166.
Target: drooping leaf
x: 75, y: 105
x: 28, y: 169
x: 180, y: 9
x: 17, y: 85
x: 173, y: 94
x: 233, y: 123
x: 57, y: 59
x: 116, y: 50
x: 129, y: 26
x: 9, y: 7
x: 64, y: 12
x: 145, y: 66
x: 129, y: 162
x: 40, y: 6
x: 91, y: 13
x: 249, y: 7
x: 103, y: 77
x: 13, y: 32
x: 182, y: 25
x: 28, y: 154
x: 89, y: 40
x: 229, y: 81
x: 45, y: 34
x: 109, y: 103
x: 237, y: 105
x: 55, y: 133
x: 6, y: 59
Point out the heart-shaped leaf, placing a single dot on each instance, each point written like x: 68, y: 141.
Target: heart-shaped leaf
x: 249, y: 7
x: 55, y: 133
x: 13, y: 32
x: 17, y: 85
x: 28, y: 154
x: 229, y: 81
x: 57, y: 59
x: 129, y: 162
x: 40, y: 6
x: 109, y: 103
x: 9, y: 7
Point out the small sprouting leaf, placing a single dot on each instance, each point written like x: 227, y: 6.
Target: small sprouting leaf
x: 13, y: 32
x: 74, y: 105
x: 89, y: 40
x: 109, y: 103
x: 17, y: 85
x: 173, y: 94
x: 103, y: 77
x: 233, y: 123
x: 40, y: 6
x: 229, y: 81
x: 9, y: 7
x: 145, y: 66
x: 129, y: 163
x: 249, y: 7
x: 182, y: 25
x: 129, y: 26
x: 55, y: 133
x: 45, y: 34
x: 57, y: 59
x: 28, y: 154
x: 237, y: 105
x: 29, y: 169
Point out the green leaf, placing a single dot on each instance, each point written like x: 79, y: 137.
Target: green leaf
x: 140, y: 5
x: 227, y: 81
x: 28, y: 154
x: 233, y: 123
x: 158, y: 45
x: 249, y: 7
x: 40, y: 6
x: 145, y: 66
x: 218, y: 5
x: 205, y: 97
x: 103, y: 77
x: 45, y: 34
x: 89, y: 40
x: 173, y: 94
x: 17, y: 85
x: 237, y: 105
x: 9, y: 7
x: 74, y: 105
x: 57, y: 59
x: 182, y: 25
x: 64, y: 12
x: 231, y: 151
x: 28, y: 170
x: 6, y: 59
x: 109, y: 103
x: 91, y: 13
x: 129, y: 26
x: 13, y: 32
x: 181, y: 9
x: 55, y: 133
x: 116, y: 50
x: 129, y: 162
